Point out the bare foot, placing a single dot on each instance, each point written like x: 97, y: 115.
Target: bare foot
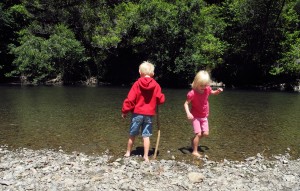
x: 146, y: 159
x: 127, y: 154
x: 196, y: 154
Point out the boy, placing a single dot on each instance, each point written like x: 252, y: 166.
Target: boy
x: 142, y: 99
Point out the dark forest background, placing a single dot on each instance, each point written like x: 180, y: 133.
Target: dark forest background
x: 243, y: 43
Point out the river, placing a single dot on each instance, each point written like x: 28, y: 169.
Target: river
x: 88, y: 119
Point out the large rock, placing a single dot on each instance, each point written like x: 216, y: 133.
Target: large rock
x: 195, y: 177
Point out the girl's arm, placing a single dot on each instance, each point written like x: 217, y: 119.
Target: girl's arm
x: 216, y: 92
x: 187, y: 110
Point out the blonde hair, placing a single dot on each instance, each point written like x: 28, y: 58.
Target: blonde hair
x: 201, y: 78
x: 146, y: 68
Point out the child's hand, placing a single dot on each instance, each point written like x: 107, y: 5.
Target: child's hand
x: 124, y: 115
x: 217, y: 92
x: 190, y: 116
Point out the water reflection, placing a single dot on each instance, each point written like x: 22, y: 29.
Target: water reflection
x: 86, y: 119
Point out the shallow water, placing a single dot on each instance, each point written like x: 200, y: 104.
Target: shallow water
x: 88, y: 119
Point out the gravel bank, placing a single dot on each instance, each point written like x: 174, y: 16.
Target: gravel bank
x: 26, y: 169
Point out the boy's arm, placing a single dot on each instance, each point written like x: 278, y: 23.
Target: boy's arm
x: 216, y: 92
x: 129, y: 102
x: 187, y: 110
x: 160, y: 97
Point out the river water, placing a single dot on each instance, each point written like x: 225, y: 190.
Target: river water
x: 88, y: 119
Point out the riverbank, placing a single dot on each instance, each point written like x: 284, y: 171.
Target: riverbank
x: 93, y: 82
x: 26, y: 169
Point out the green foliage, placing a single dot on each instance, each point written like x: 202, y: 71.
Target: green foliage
x: 12, y: 19
x: 207, y: 47
x: 20, y: 10
x: 289, y: 63
x: 32, y: 58
x: 114, y: 25
x: 181, y: 37
x: 234, y: 39
x: 254, y: 33
x: 39, y: 58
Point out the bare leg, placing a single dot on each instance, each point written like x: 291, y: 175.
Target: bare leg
x: 129, y: 146
x: 146, y: 148
x: 195, y: 145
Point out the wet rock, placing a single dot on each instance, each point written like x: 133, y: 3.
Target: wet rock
x: 26, y: 169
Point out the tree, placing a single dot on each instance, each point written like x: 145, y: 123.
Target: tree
x: 39, y: 59
x: 254, y: 36
x: 180, y: 37
x: 47, y: 47
x: 13, y: 17
x: 288, y: 65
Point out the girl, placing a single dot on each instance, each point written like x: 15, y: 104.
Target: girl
x: 198, y: 97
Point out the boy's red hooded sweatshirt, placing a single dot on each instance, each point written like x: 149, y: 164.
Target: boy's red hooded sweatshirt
x: 143, y: 97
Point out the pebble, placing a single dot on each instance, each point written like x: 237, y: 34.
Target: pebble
x: 25, y: 169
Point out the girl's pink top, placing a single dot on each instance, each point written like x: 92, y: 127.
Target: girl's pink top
x: 199, y: 102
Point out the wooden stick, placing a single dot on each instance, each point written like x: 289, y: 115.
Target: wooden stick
x: 158, y: 134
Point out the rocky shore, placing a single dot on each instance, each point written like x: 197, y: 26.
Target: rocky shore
x: 26, y: 169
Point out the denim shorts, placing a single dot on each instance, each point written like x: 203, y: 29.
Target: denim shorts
x: 141, y: 121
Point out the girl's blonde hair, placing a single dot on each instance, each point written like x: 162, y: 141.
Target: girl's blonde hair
x: 146, y: 68
x: 202, y: 78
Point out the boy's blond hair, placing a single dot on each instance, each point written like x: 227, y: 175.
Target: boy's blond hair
x: 202, y: 78
x: 146, y: 68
